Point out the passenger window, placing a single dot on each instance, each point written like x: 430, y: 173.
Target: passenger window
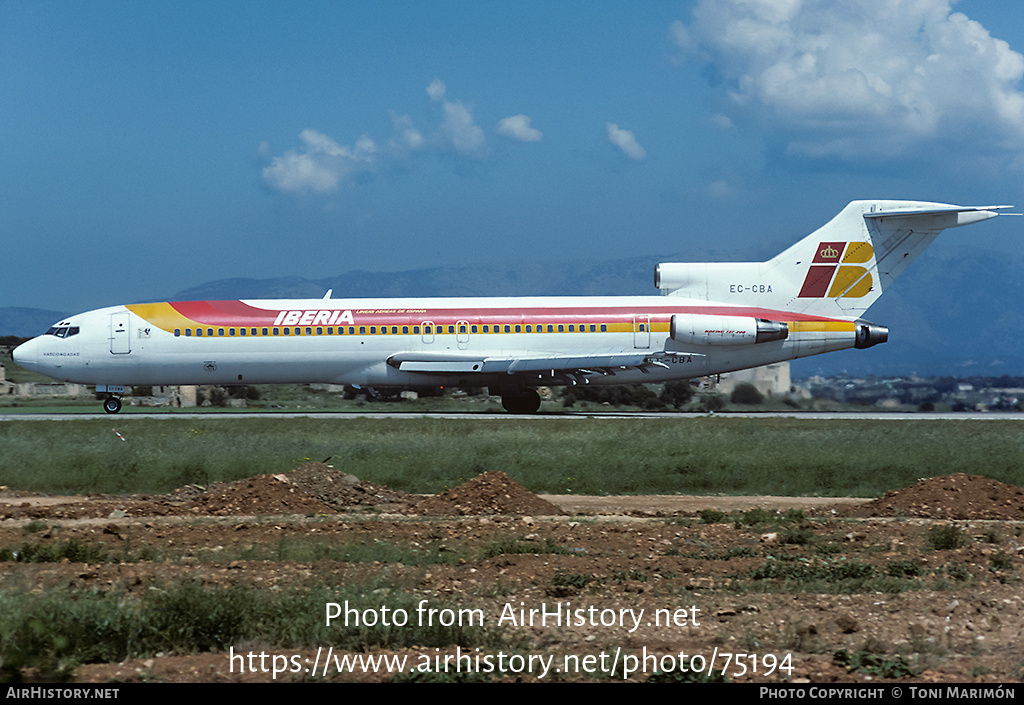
x: 362, y: 330
x: 319, y: 331
x: 405, y: 330
x: 416, y: 330
x: 572, y: 328
x: 309, y: 331
x: 487, y: 329
x: 550, y: 328
x: 604, y: 327
x: 508, y: 328
x: 529, y: 328
x: 177, y: 332
x: 462, y: 328
x: 451, y: 329
x: 561, y: 328
x: 188, y: 332
x: 472, y: 329
x: 199, y: 332
x: 220, y: 332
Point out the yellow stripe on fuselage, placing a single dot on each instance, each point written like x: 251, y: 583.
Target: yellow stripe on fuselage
x: 161, y: 315
x: 821, y: 326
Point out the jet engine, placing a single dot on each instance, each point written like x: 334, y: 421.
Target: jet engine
x: 702, y: 329
x: 869, y: 334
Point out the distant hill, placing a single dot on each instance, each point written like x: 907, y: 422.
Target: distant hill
x: 951, y: 313
x: 27, y: 322
x: 587, y: 278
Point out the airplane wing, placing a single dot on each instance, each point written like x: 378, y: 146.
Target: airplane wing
x: 598, y: 362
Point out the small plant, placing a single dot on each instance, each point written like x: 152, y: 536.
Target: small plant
x: 873, y: 664
x: 572, y: 580
x: 1000, y: 561
x: 958, y: 571
x: 711, y: 516
x: 620, y: 576
x: 756, y: 516
x: 903, y: 569
x: 686, y: 675
x: 946, y: 537
x: 801, y: 536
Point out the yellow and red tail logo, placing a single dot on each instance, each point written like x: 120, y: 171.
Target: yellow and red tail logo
x: 835, y: 270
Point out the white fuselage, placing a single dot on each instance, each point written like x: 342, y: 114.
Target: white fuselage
x: 352, y: 341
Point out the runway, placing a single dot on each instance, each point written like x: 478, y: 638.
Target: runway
x: 611, y: 415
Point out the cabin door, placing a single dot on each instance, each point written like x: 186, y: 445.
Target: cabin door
x: 120, y: 341
x: 641, y: 331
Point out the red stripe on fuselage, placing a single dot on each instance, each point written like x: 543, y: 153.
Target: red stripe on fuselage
x: 238, y: 313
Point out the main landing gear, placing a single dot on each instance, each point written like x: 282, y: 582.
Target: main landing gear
x: 112, y: 404
x: 526, y: 401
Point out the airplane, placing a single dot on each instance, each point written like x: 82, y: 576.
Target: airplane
x: 711, y: 318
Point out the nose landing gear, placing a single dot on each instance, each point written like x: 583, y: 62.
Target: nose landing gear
x: 112, y: 404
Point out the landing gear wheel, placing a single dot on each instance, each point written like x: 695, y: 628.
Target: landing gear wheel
x: 112, y: 405
x: 527, y: 402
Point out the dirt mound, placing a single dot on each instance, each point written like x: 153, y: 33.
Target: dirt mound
x: 263, y: 494
x: 957, y: 496
x: 488, y: 493
x: 311, y: 487
x: 341, y: 490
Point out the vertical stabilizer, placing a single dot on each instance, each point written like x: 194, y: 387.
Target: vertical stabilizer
x: 839, y: 270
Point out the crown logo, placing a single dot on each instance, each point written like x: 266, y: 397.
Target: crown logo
x: 829, y: 252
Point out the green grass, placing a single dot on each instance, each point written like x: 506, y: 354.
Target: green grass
x: 573, y: 455
x: 57, y: 630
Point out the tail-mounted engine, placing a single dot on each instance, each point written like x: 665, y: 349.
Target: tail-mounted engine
x: 702, y: 329
x: 869, y: 334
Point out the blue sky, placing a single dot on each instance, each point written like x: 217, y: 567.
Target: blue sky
x: 149, y: 147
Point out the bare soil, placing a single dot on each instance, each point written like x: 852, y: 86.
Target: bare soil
x: 726, y: 585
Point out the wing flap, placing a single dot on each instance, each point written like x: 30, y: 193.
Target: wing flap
x: 455, y: 363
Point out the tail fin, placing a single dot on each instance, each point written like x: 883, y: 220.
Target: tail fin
x: 839, y: 270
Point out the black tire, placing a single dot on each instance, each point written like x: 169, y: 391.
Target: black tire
x: 112, y: 405
x: 527, y: 402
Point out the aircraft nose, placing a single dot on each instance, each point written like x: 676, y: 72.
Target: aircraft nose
x: 27, y: 354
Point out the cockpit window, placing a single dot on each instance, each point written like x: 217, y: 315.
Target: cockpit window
x: 63, y: 331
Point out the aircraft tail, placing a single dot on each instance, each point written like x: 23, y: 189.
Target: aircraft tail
x: 837, y: 271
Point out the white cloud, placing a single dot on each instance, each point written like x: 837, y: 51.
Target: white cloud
x: 624, y: 140
x: 518, y: 128
x: 436, y: 90
x: 320, y: 165
x: 722, y: 121
x: 860, y: 75
x: 408, y: 137
x: 460, y: 131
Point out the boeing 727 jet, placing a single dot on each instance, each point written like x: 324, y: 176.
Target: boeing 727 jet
x: 711, y: 318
